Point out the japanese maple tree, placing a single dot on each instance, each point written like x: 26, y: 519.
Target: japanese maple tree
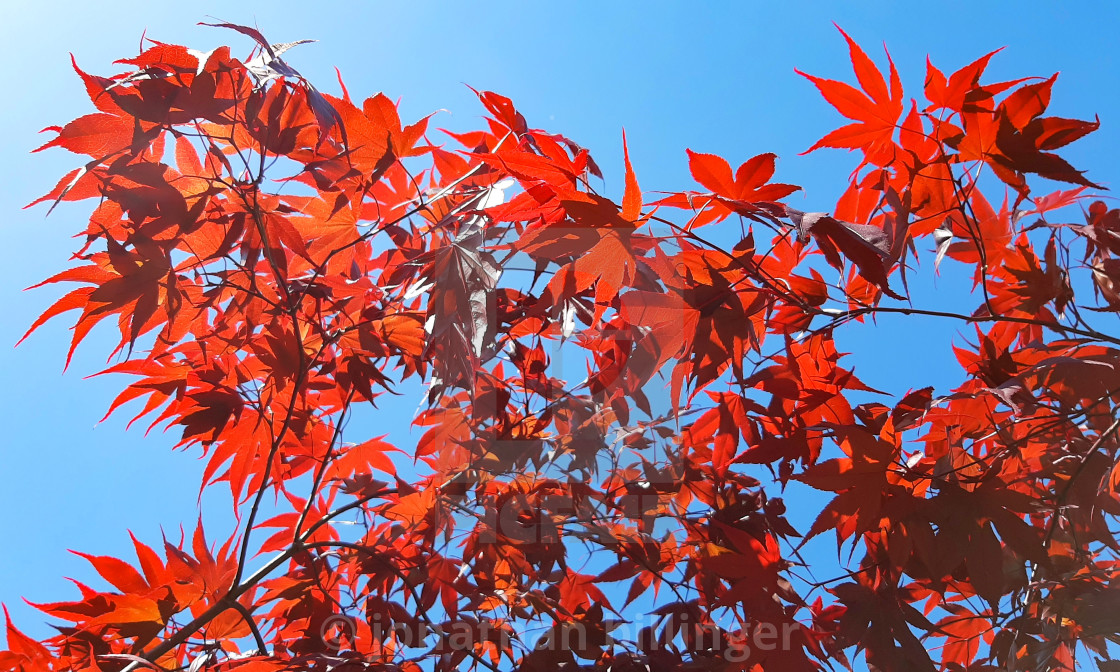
x: 276, y: 259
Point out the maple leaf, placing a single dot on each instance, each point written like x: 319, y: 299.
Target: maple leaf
x: 730, y: 194
x: 97, y: 135
x: 861, y: 478
x: 867, y: 246
x: 876, y: 109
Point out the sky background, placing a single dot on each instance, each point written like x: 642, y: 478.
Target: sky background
x: 714, y: 78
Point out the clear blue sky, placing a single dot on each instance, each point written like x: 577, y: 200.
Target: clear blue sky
x: 714, y: 77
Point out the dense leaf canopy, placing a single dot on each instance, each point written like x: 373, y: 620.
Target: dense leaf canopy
x: 616, y: 395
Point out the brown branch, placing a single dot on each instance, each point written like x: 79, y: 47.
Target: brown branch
x: 301, y: 369
x: 248, y: 618
x: 871, y: 310
x: 318, y: 479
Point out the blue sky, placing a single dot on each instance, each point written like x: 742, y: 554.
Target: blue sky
x: 714, y: 78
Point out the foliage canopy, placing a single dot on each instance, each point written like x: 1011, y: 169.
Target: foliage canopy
x: 276, y: 258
